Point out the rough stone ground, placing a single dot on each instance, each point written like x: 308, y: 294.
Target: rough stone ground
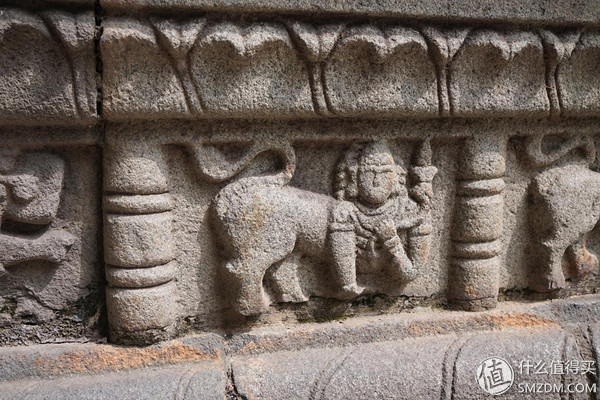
x: 423, y: 354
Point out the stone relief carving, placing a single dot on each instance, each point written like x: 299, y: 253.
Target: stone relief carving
x: 315, y: 43
x: 267, y: 228
x: 303, y: 73
x: 30, y: 190
x: 261, y: 221
x: 213, y: 67
x: 499, y: 73
x: 478, y: 226
x: 452, y: 79
x: 564, y: 210
x: 571, y: 58
x: 32, y: 42
x: 138, y: 243
x: 443, y: 45
x: 373, y: 71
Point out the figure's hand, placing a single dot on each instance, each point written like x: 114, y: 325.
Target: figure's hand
x: 386, y: 230
x: 424, y: 174
x: 422, y: 192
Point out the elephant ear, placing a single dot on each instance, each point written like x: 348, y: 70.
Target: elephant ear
x: 216, y: 165
x: 539, y: 157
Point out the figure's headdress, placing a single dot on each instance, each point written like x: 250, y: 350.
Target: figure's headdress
x: 376, y: 153
x: 364, y: 154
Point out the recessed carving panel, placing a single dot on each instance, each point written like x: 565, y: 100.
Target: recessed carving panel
x: 49, y: 273
x: 299, y: 220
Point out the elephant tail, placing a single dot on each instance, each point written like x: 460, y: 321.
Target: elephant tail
x: 538, y: 157
x: 215, y: 166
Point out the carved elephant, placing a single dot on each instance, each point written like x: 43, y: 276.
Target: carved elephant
x: 30, y: 190
x: 259, y: 225
x: 261, y: 221
x: 565, y: 207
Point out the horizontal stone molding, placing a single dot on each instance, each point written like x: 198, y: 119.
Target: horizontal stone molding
x: 211, y: 68
x: 322, y: 130
x: 140, y: 277
x: 36, y: 136
x: 138, y: 204
x: 535, y: 11
x: 321, y: 359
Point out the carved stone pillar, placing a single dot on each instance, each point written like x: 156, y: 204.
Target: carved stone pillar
x: 138, y: 248
x: 473, y: 275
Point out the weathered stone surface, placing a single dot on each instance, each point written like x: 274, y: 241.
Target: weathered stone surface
x: 563, y: 216
x: 595, y: 336
x: 249, y: 70
x: 330, y: 188
x: 577, y: 79
x: 373, y: 71
x: 279, y: 163
x: 151, y: 86
x: 261, y: 222
x: 197, y: 381
x: 49, y: 280
x: 229, y: 199
x: 423, y: 354
x: 51, y: 361
x: 540, y: 11
x: 208, y: 67
x: 48, y: 67
x: 425, y: 368
x: 500, y: 74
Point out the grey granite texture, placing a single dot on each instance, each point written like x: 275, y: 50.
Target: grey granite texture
x: 261, y: 222
x: 277, y: 218
x: 209, y: 67
x: 51, y: 286
x: 423, y: 354
x: 425, y: 368
x: 50, y: 283
x: 583, y: 12
x: 251, y: 164
x: 197, y: 381
x: 48, y: 67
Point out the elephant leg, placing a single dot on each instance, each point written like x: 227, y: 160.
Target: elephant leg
x: 248, y: 270
x: 547, y: 274
x: 248, y: 276
x: 580, y: 261
x: 285, y: 280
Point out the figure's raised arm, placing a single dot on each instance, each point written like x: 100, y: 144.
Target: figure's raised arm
x: 419, y: 223
x: 421, y: 193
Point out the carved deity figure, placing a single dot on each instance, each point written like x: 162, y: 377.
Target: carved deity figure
x: 262, y: 221
x: 374, y: 206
